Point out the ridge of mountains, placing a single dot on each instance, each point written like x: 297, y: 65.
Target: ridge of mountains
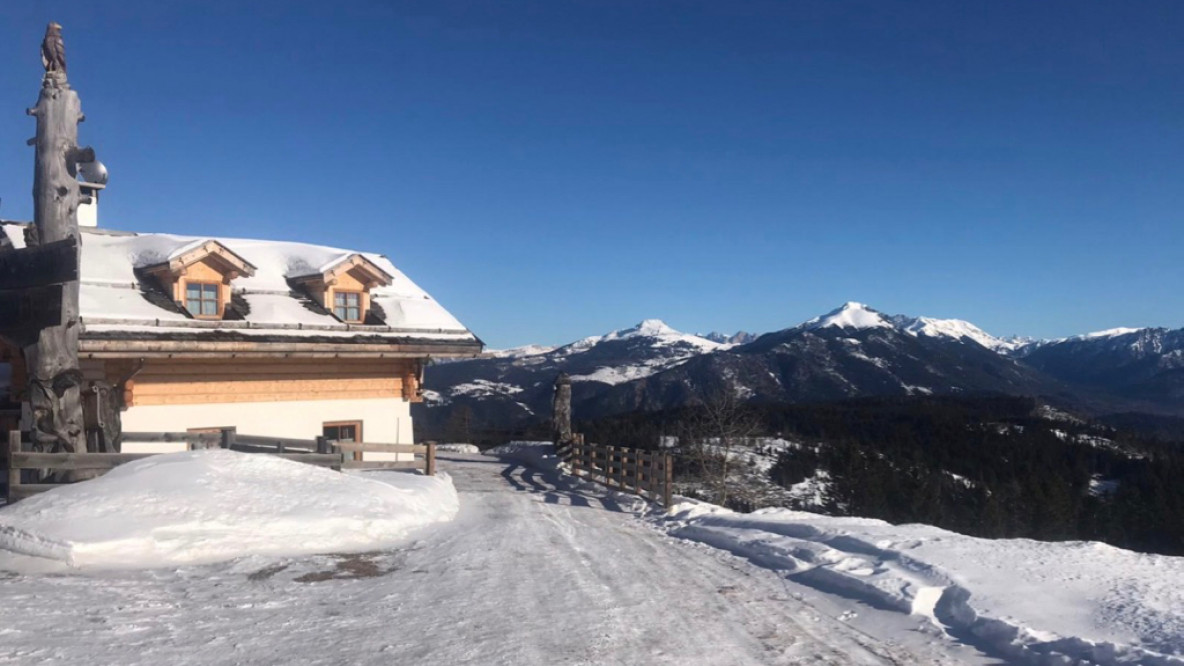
x: 852, y: 351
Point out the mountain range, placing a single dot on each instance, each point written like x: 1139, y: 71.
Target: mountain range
x: 852, y: 351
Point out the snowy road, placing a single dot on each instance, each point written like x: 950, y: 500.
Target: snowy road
x: 530, y: 572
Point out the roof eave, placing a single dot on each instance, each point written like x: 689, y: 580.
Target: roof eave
x: 294, y: 348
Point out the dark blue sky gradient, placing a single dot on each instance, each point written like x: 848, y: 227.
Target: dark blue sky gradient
x: 550, y: 170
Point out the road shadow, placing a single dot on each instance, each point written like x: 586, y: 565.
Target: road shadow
x: 470, y: 459
x: 553, y: 487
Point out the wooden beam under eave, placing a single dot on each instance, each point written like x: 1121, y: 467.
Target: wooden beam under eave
x: 247, y: 349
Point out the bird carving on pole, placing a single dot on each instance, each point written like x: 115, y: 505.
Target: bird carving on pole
x: 53, y: 51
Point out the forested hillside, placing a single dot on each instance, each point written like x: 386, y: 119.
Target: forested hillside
x: 994, y: 466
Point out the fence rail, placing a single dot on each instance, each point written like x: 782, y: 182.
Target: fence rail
x: 649, y: 474
x: 320, y: 451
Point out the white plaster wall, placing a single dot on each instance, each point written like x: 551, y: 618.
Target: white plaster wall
x: 384, y: 420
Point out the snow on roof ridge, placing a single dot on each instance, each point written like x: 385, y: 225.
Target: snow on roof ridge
x: 192, y: 245
x: 338, y: 260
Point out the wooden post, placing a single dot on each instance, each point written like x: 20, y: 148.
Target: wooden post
x: 430, y: 459
x: 55, y: 381
x: 668, y: 481
x: 227, y: 438
x: 14, y: 473
x: 637, y: 471
x: 561, y: 413
x: 322, y: 444
x: 651, y: 473
x: 608, y: 466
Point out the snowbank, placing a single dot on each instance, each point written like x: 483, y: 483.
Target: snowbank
x: 457, y: 448
x: 1031, y: 602
x: 539, y: 455
x: 204, y: 506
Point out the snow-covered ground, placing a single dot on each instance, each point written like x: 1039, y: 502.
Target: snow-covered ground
x: 541, y: 568
x: 457, y: 448
x: 534, y: 570
x: 210, y: 505
x: 1030, y: 602
x: 1026, y: 601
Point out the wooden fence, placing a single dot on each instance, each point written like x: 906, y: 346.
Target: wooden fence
x: 427, y: 463
x: 320, y: 451
x: 649, y: 474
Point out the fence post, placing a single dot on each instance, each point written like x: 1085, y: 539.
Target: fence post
x: 227, y: 438
x: 637, y: 460
x: 668, y: 475
x: 430, y: 459
x: 14, y: 473
x: 651, y: 481
x: 340, y: 457
x: 322, y: 444
x: 608, y: 467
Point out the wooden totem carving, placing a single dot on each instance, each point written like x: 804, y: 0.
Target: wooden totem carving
x: 52, y: 359
x: 561, y: 411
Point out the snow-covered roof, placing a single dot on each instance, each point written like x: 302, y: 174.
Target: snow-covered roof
x: 114, y: 294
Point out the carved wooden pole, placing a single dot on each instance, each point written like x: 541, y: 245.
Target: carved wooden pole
x: 561, y: 414
x: 52, y: 361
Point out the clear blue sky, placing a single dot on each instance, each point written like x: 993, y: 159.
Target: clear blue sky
x: 550, y: 170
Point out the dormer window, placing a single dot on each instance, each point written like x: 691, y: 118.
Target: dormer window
x: 343, y: 286
x: 347, y: 305
x: 203, y: 299
x: 198, y: 275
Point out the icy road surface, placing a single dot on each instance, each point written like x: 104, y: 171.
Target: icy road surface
x: 530, y: 572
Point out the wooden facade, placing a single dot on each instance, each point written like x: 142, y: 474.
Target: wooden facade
x: 173, y: 381
x: 203, y: 271
x: 285, y: 368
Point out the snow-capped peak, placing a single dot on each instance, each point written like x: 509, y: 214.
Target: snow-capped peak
x: 951, y: 328
x: 655, y: 330
x: 850, y: 315
x: 853, y: 315
x: 662, y: 334
x: 648, y: 327
x: 1108, y: 333
x: 519, y: 352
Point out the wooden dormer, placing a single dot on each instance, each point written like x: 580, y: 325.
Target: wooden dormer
x: 343, y: 286
x: 198, y: 277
